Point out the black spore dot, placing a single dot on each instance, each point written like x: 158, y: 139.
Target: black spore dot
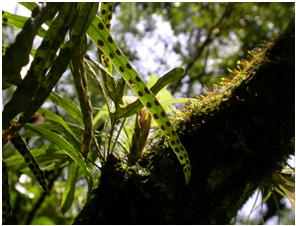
x: 162, y: 114
x: 100, y: 43
x: 110, y: 8
x: 101, y: 26
x: 128, y: 66
x: 27, y: 158
x: 130, y: 81
x: 155, y: 116
x: 103, y: 11
x: 177, y: 150
x: 31, y: 166
x: 162, y: 127
x: 173, y: 142
x: 156, y: 102
x: 168, y: 123
x: 108, y: 26
x: 146, y: 90
x: 121, y: 69
x: 4, y: 19
x: 181, y: 157
x: 109, y: 17
x: 148, y: 105
x: 111, y: 55
x: 138, y: 78
x: 140, y: 93
x: 110, y: 39
x: 118, y: 52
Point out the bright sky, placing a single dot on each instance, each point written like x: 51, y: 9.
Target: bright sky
x: 12, y: 6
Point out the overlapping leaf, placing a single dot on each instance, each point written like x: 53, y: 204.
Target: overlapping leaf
x: 61, y: 142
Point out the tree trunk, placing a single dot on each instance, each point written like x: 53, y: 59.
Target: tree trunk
x: 236, y: 137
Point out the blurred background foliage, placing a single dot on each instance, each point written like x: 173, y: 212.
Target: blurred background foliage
x: 204, y: 38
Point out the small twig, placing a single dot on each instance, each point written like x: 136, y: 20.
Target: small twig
x: 118, y: 133
x: 98, y: 149
x: 79, y: 77
x: 210, y: 36
x: 110, y: 138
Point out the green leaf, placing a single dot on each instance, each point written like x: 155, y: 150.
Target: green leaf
x: 59, y: 141
x: 19, y: 21
x: 167, y: 99
x: 120, y: 90
x: 23, y: 149
x: 29, y: 5
x: 110, y: 86
x: 102, y: 112
x: 267, y: 196
x: 43, y: 220
x: 68, y: 196
x: 170, y: 77
x: 279, y: 190
x: 44, y: 155
x: 49, y: 115
x: 67, y: 105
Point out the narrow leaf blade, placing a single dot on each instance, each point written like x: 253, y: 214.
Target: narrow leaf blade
x: 49, y: 115
x: 19, y: 21
x: 67, y: 105
x: 23, y: 149
x: 60, y: 142
x: 68, y: 196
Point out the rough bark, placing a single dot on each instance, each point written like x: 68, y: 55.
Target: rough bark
x: 235, y: 141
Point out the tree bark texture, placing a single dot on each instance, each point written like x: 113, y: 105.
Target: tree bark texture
x: 235, y: 142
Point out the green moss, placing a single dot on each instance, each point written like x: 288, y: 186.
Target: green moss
x: 212, y: 102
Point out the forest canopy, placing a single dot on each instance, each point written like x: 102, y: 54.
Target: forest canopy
x: 110, y: 96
